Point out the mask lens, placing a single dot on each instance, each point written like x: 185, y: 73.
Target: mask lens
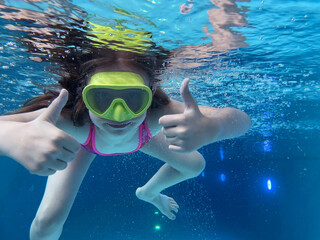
x: 136, y: 99
x: 100, y: 99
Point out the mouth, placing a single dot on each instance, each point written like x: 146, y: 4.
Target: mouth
x: 119, y: 125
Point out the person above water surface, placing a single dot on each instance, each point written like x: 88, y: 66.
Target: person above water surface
x: 110, y: 102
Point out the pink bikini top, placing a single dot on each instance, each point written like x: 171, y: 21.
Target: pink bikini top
x: 90, y: 144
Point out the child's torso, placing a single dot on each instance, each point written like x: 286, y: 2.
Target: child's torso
x: 122, y: 146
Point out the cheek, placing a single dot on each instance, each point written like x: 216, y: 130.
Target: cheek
x: 142, y: 117
x: 91, y: 115
x: 138, y: 120
x: 95, y: 119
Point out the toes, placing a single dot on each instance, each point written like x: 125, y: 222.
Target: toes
x: 175, y: 209
x: 172, y: 201
x: 171, y: 216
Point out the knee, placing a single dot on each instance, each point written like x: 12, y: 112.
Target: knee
x: 45, y: 225
x: 197, y: 166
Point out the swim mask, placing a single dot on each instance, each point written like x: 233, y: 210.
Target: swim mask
x: 117, y: 96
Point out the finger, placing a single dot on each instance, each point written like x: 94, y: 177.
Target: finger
x: 176, y: 148
x: 59, y: 165
x: 44, y: 172
x: 51, y: 171
x: 172, y: 140
x: 174, y: 132
x: 52, y: 113
x: 189, y: 101
x: 169, y: 131
x: 171, y: 120
x: 68, y: 143
x: 56, y: 164
x: 66, y: 155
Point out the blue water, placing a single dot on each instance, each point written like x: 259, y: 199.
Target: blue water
x: 258, y: 56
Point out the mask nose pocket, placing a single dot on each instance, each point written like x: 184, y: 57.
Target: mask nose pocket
x: 119, y: 112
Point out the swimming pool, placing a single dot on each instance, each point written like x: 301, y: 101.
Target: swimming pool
x: 258, y: 56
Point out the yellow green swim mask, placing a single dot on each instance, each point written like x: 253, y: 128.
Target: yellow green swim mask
x: 117, y: 96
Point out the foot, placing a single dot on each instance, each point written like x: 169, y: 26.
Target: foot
x: 165, y: 204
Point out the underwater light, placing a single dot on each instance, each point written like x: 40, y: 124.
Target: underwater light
x: 221, y: 153
x: 269, y: 185
x: 222, y: 177
x: 157, y: 227
x: 156, y: 213
x: 267, y: 146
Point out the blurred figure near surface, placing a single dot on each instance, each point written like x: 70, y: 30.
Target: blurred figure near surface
x: 224, y: 16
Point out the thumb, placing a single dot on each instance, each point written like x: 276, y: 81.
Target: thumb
x: 52, y: 113
x: 189, y: 102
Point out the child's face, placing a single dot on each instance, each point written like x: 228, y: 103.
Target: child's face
x: 117, y: 126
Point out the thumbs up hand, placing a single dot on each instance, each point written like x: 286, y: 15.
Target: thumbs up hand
x: 39, y: 145
x: 187, y: 131
x: 53, y: 111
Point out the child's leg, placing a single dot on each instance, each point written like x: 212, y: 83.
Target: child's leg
x: 61, y: 190
x: 178, y: 167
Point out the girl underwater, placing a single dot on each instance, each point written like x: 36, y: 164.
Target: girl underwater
x: 110, y: 102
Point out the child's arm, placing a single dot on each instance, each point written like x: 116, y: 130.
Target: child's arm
x: 22, y: 117
x: 33, y: 140
x: 187, y: 126
x: 61, y: 190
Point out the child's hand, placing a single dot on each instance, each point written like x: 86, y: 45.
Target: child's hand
x: 187, y: 131
x: 41, y: 147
